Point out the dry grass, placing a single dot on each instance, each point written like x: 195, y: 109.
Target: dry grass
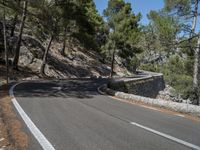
x: 11, y: 128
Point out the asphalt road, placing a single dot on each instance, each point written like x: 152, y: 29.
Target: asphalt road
x: 72, y: 115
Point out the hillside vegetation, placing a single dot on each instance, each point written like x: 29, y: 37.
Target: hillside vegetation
x: 69, y: 38
x: 55, y: 39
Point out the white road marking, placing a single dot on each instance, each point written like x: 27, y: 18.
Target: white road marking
x: 57, y: 88
x: 167, y: 136
x: 152, y: 108
x: 180, y: 115
x: 148, y: 107
x: 144, y: 106
x: 46, y: 145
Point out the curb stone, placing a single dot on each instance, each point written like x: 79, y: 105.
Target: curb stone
x: 178, y: 107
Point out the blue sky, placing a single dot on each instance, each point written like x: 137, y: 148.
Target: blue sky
x: 143, y: 6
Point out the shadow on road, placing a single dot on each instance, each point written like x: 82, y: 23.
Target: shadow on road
x: 76, y: 88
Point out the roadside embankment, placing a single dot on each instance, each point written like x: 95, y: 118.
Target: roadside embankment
x: 144, y: 89
x: 11, y: 135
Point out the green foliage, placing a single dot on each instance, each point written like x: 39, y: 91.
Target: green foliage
x: 77, y: 18
x: 46, y: 19
x: 88, y: 23
x: 174, y: 23
x: 124, y: 29
x: 185, y: 11
x: 149, y: 67
x: 93, y: 17
x: 182, y: 7
x: 183, y: 84
x: 86, y: 40
x: 165, y: 28
x: 134, y: 64
x: 175, y: 72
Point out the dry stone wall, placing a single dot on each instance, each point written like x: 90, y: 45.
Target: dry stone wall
x: 147, y: 84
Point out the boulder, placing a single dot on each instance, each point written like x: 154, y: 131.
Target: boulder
x: 26, y: 57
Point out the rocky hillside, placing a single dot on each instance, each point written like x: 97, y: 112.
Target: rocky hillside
x: 78, y: 61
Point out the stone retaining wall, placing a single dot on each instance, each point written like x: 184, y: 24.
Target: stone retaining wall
x: 146, y: 84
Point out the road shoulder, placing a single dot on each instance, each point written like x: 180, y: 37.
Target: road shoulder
x: 12, y: 137
x: 111, y: 93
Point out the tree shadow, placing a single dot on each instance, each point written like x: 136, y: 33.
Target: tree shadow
x: 34, y: 45
x: 38, y: 49
x: 3, y: 92
x: 68, y: 69
x: 72, y: 88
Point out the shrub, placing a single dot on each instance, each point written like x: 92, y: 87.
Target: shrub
x: 177, y: 73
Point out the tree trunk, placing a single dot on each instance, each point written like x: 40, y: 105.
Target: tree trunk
x: 12, y: 31
x: 194, y: 22
x: 5, y: 45
x: 196, y: 56
x: 64, y: 42
x: 17, y: 50
x: 42, y: 69
x: 112, y: 64
x: 196, y: 72
x: 113, y: 61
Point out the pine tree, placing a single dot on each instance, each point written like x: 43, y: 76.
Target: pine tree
x: 5, y: 43
x: 188, y: 10
x: 124, y: 31
x: 18, y: 45
x: 48, y: 16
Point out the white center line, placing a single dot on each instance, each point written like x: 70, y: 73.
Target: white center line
x: 46, y: 145
x: 167, y: 136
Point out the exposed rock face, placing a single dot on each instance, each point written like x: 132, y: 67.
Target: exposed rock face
x: 170, y: 94
x: 35, y: 65
x: 26, y: 57
x: 167, y: 93
x: 153, y: 57
x: 78, y: 62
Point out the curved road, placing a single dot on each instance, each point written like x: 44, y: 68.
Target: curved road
x: 72, y: 115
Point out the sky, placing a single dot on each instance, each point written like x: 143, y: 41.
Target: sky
x: 142, y: 6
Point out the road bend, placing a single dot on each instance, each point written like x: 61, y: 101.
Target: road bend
x: 72, y: 115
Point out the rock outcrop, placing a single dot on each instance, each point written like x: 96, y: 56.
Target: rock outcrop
x: 77, y: 62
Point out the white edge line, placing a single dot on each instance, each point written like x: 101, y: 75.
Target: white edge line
x: 160, y: 133
x: 167, y: 136
x: 179, y: 115
x: 148, y: 107
x: 46, y: 145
